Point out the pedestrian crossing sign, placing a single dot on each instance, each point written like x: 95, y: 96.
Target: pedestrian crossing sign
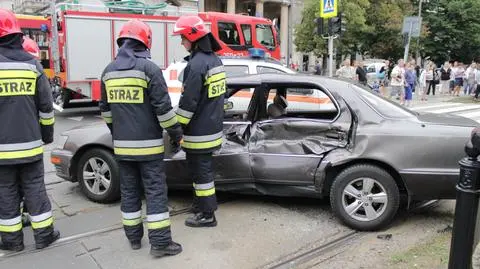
x: 328, y: 8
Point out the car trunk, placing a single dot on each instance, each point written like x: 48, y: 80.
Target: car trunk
x: 446, y: 119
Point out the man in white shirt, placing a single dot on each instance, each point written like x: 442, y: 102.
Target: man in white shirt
x: 398, y: 81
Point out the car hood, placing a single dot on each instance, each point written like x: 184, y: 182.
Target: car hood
x: 446, y: 119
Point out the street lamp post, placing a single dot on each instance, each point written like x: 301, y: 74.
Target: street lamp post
x: 418, y: 39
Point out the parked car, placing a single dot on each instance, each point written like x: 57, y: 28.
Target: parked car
x: 367, y: 154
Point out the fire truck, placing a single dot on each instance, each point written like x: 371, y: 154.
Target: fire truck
x: 36, y: 27
x: 84, y: 42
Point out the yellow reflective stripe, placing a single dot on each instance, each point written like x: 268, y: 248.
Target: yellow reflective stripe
x: 132, y: 222
x: 11, y: 228
x: 204, y: 193
x: 42, y: 224
x: 182, y: 119
x: 21, y: 153
x: 18, y: 74
x: 168, y: 123
x: 138, y: 151
x: 49, y: 121
x: 126, y: 82
x: 215, y: 77
x: 158, y: 224
x: 202, y: 145
x: 108, y: 119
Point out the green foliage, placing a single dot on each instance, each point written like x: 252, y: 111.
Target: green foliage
x: 451, y: 29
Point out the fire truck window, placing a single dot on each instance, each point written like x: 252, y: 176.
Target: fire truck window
x: 227, y: 32
x: 247, y: 34
x: 42, y: 40
x: 265, y: 35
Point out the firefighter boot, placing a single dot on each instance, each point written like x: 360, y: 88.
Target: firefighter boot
x: 136, y: 244
x: 12, y: 247
x: 172, y: 248
x: 53, y: 237
x: 201, y: 220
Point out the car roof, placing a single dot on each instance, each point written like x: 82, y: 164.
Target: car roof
x: 332, y: 84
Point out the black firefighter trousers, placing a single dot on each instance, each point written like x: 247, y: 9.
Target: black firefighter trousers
x: 152, y: 175
x: 30, y: 178
x: 200, y: 167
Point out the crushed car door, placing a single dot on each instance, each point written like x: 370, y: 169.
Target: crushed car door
x: 288, y: 149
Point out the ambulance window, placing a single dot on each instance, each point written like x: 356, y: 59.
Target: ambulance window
x: 236, y: 70
x: 228, y: 33
x: 247, y: 34
x: 268, y: 70
x: 264, y: 34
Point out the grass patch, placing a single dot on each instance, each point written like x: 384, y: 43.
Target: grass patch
x: 431, y: 254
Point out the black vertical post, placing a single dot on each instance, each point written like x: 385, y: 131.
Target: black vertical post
x: 468, y: 188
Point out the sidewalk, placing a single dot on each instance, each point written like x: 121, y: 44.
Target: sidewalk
x: 250, y: 234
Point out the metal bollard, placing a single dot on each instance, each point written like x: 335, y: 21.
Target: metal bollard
x: 468, y: 191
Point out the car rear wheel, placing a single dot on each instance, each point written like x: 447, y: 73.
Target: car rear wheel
x: 365, y: 197
x: 98, y: 176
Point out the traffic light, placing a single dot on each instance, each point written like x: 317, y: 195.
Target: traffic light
x: 337, y: 25
x: 319, y: 26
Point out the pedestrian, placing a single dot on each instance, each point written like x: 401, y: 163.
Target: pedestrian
x: 346, y: 71
x: 410, y: 79
x: 27, y: 123
x: 398, y: 81
x: 458, y: 72
x: 383, y: 77
x: 136, y: 107
x: 422, y: 84
x: 470, y: 79
x: 200, y: 111
x: 445, y: 74
x: 360, y: 73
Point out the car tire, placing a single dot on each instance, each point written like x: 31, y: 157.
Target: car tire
x: 353, y: 204
x: 88, y: 176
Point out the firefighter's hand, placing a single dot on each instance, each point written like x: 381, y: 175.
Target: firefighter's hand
x: 176, y: 146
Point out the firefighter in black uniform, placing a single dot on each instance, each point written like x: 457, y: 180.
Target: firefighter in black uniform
x: 26, y: 109
x: 201, y: 112
x: 136, y: 107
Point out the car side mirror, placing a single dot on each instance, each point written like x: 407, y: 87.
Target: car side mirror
x: 228, y: 105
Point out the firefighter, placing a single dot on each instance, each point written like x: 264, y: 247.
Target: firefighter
x: 201, y: 112
x: 136, y: 107
x: 27, y: 123
x: 31, y: 47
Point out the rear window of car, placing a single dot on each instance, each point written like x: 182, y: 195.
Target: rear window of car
x: 383, y: 106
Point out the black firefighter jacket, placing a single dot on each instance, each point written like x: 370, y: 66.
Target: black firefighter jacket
x: 201, y: 106
x: 26, y: 105
x: 136, y: 105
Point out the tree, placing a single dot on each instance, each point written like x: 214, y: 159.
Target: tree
x: 386, y: 40
x: 453, y: 30
x: 306, y: 40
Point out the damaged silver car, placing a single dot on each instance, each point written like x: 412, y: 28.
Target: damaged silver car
x: 304, y: 136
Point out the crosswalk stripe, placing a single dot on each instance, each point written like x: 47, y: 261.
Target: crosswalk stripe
x: 436, y: 106
x: 474, y: 114
x: 455, y: 109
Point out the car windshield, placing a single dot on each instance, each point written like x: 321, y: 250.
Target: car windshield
x: 383, y: 106
x: 265, y: 35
